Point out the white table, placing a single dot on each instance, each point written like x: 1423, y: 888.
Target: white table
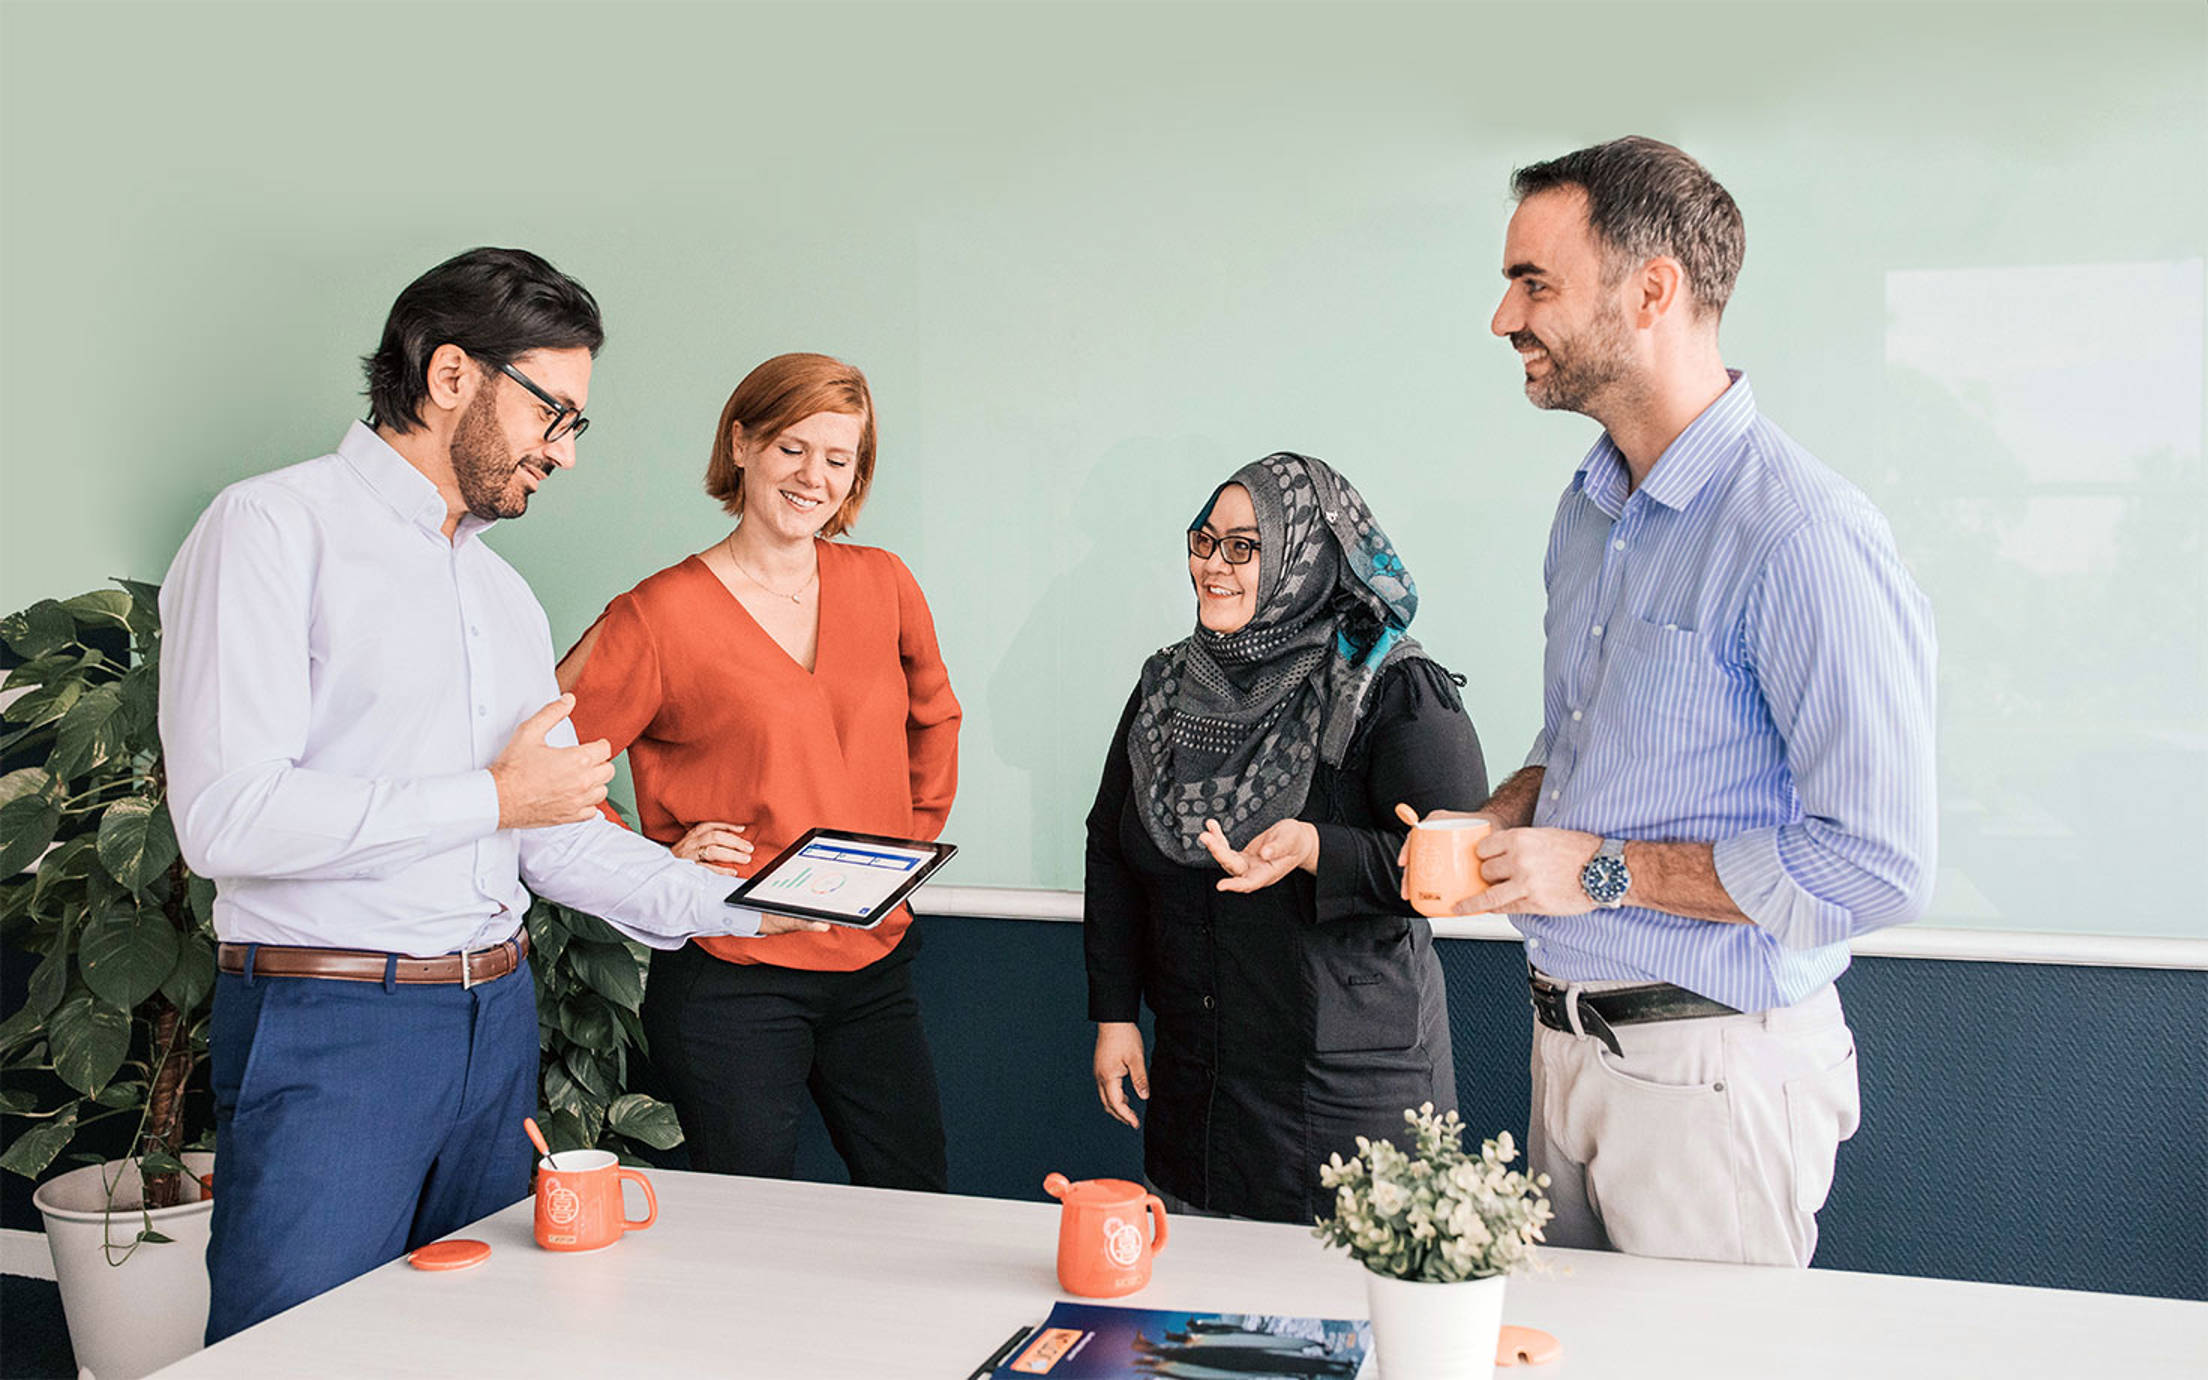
x: 796, y: 1281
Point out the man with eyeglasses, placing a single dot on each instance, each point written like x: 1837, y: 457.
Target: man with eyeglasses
x: 367, y: 752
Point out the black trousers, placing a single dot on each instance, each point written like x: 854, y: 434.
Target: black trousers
x: 742, y: 1045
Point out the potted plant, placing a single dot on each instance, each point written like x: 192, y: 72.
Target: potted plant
x: 1439, y: 1231
x: 116, y: 1014
x: 115, y: 1021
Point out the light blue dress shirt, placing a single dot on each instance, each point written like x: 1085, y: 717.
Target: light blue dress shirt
x: 336, y: 678
x: 1736, y: 656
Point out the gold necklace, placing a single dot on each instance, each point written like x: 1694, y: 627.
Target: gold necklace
x: 729, y: 542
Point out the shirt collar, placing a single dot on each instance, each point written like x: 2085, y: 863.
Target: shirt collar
x: 405, y: 490
x: 1686, y: 464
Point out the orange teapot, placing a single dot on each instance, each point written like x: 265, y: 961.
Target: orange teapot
x: 1103, y: 1248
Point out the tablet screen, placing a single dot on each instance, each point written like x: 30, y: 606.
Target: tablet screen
x: 837, y: 876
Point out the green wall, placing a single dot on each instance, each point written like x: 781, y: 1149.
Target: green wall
x: 1095, y: 257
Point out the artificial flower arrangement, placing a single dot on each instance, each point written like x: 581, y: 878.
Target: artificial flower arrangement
x: 1437, y: 1213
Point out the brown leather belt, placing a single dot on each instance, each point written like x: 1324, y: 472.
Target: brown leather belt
x: 367, y: 965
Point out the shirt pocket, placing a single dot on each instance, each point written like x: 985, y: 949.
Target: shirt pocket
x: 1666, y: 689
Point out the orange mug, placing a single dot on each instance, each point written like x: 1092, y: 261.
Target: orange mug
x: 1103, y: 1251
x: 579, y: 1205
x: 1441, y: 864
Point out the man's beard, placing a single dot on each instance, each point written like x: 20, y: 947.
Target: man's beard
x: 485, y: 466
x: 1580, y: 370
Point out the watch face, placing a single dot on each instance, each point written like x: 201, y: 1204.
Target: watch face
x: 1605, y: 880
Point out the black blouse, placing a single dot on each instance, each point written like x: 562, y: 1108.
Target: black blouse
x: 1293, y: 1019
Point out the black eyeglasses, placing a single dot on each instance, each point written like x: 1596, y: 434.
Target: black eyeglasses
x: 1235, y: 550
x: 566, y: 421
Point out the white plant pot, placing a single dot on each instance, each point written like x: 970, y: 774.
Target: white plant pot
x: 1428, y: 1331
x: 131, y: 1319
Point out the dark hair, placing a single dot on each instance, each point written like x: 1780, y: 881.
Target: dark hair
x: 1645, y: 199
x: 496, y: 304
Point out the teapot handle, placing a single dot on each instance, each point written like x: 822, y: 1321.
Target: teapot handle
x: 1056, y: 1184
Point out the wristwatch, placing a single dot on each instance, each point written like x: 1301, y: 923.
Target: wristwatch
x: 1605, y: 878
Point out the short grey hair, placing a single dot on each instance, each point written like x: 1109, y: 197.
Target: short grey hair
x: 1647, y: 199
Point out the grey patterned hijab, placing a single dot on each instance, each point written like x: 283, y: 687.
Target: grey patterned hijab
x: 1232, y: 726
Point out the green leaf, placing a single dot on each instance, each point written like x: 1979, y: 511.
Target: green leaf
x: 69, y: 862
x: 563, y: 1130
x: 193, y: 977
x: 142, y: 708
x: 609, y: 971
x: 50, y: 979
x: 588, y: 1073
x: 29, y: 781
x: 120, y: 1094
x: 111, y: 606
x: 15, y: 1102
x: 91, y: 733
x: 89, y: 1039
x: 547, y: 940
x: 43, y: 628
x: 646, y: 1119
x: 125, y: 953
x: 160, y: 1162
x: 49, y: 669
x: 45, y: 704
x: 137, y: 843
x: 30, y: 1153
x: 560, y: 1091
x: 154, y: 1238
x: 588, y: 1023
x: 27, y: 825
x: 145, y: 615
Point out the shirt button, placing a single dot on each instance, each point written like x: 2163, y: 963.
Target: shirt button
x: 1617, y: 546
x: 1598, y: 629
x: 482, y: 711
x: 1533, y: 943
x: 1209, y: 1003
x: 1554, y: 794
x: 1577, y: 716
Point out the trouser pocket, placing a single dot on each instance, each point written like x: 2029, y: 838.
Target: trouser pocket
x: 1822, y: 1109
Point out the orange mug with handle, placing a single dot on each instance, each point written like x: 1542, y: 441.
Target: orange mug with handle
x: 1103, y: 1248
x: 1441, y: 864
x: 579, y: 1206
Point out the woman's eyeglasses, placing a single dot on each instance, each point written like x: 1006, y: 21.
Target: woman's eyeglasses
x: 1234, y: 550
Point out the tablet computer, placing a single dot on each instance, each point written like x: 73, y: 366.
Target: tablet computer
x: 842, y: 877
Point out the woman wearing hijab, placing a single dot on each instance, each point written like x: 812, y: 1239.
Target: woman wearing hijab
x: 1298, y: 1000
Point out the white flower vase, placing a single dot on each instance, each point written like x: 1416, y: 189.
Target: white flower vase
x: 1426, y: 1331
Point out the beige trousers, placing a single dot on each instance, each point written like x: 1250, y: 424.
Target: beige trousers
x: 1711, y: 1139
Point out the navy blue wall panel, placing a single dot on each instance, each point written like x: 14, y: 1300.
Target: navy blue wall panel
x: 2022, y: 1123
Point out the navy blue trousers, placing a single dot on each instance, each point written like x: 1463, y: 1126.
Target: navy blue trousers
x: 355, y: 1121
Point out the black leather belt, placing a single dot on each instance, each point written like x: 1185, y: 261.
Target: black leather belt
x: 1598, y: 1011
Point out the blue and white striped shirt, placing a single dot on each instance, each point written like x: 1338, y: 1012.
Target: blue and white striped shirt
x: 1736, y: 656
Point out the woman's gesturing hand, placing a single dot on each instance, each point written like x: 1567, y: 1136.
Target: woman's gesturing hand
x: 1272, y: 855
x: 1119, y: 1055
x: 719, y: 846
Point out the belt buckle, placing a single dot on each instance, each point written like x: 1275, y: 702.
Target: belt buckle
x: 467, y: 974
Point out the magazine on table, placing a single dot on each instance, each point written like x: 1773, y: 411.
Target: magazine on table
x: 1095, y: 1341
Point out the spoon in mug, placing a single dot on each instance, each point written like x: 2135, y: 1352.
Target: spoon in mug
x: 536, y: 1137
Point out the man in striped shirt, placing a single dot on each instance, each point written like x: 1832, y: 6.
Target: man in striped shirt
x: 1734, y: 775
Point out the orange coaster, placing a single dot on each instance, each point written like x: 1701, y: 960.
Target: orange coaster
x: 1526, y: 1346
x: 450, y: 1255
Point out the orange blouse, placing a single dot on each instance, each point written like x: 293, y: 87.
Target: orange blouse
x: 721, y: 724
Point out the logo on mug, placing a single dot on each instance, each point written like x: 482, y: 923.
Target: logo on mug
x: 1122, y: 1241
x: 563, y: 1206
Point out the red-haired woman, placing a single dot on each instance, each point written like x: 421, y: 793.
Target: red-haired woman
x: 775, y: 681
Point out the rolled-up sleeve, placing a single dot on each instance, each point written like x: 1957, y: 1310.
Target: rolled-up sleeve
x: 235, y: 712
x: 1841, y: 643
